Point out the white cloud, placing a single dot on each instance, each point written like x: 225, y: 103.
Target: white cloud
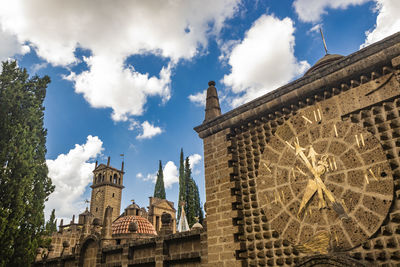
x: 199, y: 98
x: 9, y: 45
x: 71, y: 173
x: 170, y: 172
x: 315, y: 29
x: 312, y: 10
x: 263, y: 60
x: 387, y: 21
x: 194, y: 159
x: 112, y: 31
x: 133, y: 124
x: 149, y: 131
x: 149, y: 177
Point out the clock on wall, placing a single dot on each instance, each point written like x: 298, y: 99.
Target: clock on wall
x: 98, y: 195
x: 325, y: 178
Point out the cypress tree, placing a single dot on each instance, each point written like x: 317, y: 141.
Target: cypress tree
x: 193, y: 206
x: 51, y: 224
x: 182, y: 187
x: 197, y: 203
x: 24, y: 185
x: 159, y: 189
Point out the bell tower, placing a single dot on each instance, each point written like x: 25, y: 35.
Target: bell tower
x: 106, y: 190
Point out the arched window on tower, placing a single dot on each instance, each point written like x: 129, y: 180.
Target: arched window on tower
x: 110, y: 178
x: 119, y: 180
x: 115, y: 178
x: 102, y: 178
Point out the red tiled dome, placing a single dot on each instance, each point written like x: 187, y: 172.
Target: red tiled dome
x: 121, y: 225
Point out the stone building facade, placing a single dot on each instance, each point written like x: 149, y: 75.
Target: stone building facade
x: 103, y: 237
x: 309, y: 174
x: 156, y: 208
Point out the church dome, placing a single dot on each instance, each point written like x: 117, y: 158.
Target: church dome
x: 326, y: 60
x: 121, y: 225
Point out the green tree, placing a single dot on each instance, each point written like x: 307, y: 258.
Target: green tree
x: 182, y: 187
x: 24, y: 185
x: 159, y: 189
x: 193, y: 206
x: 51, y: 224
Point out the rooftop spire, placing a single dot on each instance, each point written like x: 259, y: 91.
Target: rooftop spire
x: 323, y: 40
x: 212, y: 102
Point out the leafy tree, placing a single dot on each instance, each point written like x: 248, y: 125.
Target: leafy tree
x: 51, y: 224
x: 193, y: 207
x: 159, y: 189
x: 182, y: 187
x: 24, y: 185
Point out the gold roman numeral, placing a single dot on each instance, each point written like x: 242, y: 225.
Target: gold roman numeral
x: 360, y: 140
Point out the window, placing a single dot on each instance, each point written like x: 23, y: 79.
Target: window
x: 115, y: 178
x: 97, y: 209
x: 113, y: 195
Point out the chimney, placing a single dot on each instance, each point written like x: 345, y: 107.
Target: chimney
x: 108, y: 162
x: 60, y: 227
x: 213, y: 109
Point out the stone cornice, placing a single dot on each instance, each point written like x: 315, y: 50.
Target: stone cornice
x: 107, y: 183
x: 351, y: 67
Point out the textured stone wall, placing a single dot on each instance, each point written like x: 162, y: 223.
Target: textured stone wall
x: 220, y: 215
x: 361, y: 89
x: 181, y: 249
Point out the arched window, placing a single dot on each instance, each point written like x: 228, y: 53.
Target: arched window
x: 119, y: 180
x: 102, y: 178
x: 110, y: 179
x: 115, y: 178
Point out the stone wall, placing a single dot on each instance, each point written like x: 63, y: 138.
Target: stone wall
x: 361, y: 89
x: 180, y: 249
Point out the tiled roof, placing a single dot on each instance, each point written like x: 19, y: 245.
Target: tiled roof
x: 121, y: 225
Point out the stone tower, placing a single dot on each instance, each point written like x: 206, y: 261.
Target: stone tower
x: 106, y: 190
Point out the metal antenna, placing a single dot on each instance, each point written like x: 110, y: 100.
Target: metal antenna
x: 323, y: 40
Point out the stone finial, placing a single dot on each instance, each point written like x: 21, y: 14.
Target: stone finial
x: 213, y: 109
x: 108, y: 161
x: 133, y: 227
x: 86, y: 225
x: 73, y: 219
x: 122, y: 166
x: 107, y: 231
x: 167, y: 225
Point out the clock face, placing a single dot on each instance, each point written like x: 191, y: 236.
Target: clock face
x: 329, y: 177
x: 98, y: 196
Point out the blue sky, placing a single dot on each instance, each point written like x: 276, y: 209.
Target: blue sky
x: 129, y: 77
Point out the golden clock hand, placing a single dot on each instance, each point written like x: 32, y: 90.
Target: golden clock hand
x: 300, y: 151
x: 312, y: 154
x: 309, y: 192
x: 338, y: 208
